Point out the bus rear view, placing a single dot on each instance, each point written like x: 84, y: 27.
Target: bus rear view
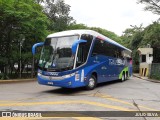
x: 67, y: 60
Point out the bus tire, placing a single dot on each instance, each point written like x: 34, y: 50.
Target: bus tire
x: 92, y: 82
x: 123, y: 77
x: 127, y: 75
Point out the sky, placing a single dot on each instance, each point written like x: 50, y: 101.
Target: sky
x: 112, y: 15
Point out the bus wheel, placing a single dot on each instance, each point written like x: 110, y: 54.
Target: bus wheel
x: 91, y: 83
x: 127, y: 76
x: 123, y: 77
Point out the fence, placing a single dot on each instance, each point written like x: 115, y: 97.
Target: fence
x: 12, y: 72
x: 155, y: 71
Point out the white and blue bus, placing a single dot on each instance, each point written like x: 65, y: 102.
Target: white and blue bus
x: 78, y: 58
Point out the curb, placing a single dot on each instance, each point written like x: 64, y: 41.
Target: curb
x: 151, y: 80
x: 17, y: 80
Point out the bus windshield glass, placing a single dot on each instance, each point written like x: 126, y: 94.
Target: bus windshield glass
x: 56, y: 53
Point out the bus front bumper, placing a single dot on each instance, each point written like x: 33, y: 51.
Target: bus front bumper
x: 65, y: 82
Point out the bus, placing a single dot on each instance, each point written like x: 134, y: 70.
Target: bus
x: 78, y: 58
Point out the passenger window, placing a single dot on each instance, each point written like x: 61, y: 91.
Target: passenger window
x: 102, y: 47
x: 97, y: 49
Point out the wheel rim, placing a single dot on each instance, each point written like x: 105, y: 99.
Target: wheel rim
x: 91, y: 82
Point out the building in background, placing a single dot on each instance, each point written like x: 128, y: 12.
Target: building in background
x: 146, y: 58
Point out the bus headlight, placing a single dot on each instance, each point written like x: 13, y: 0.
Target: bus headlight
x: 69, y: 75
x: 39, y: 74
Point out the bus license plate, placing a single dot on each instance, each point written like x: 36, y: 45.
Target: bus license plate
x: 50, y: 83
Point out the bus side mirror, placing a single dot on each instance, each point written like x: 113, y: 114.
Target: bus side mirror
x: 36, y: 45
x: 75, y: 44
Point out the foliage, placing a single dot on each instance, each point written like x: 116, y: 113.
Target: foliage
x: 46, y: 1
x: 151, y: 5
x: 155, y: 68
x: 136, y: 37
x: 19, y: 20
x: 152, y: 37
x: 75, y: 26
x: 58, y: 14
x: 107, y: 33
x: 155, y: 75
x: 132, y: 36
x: 29, y: 21
x: 104, y: 32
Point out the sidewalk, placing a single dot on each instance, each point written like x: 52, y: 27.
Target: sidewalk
x: 17, y: 80
x: 145, y: 78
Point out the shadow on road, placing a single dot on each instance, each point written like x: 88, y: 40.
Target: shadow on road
x: 108, y: 83
x: 66, y: 91
x: 72, y: 91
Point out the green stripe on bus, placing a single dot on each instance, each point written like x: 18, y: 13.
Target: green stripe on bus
x: 124, y: 70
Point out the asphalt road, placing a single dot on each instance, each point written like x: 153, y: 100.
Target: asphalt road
x: 132, y: 95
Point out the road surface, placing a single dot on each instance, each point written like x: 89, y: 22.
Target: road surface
x: 132, y: 95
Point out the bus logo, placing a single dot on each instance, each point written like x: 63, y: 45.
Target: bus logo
x: 51, y: 73
x: 116, y: 62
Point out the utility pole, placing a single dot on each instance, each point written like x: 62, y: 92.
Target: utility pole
x: 32, y: 74
x: 20, y: 64
x: 20, y: 45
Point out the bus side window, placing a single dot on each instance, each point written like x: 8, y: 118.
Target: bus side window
x: 110, y: 50
x: 102, y: 47
x: 121, y: 53
x: 116, y: 54
x: 97, y: 49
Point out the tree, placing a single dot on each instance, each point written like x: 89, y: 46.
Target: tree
x: 107, y: 33
x: 58, y: 14
x: 19, y: 19
x: 132, y: 38
x: 75, y: 26
x: 140, y: 37
x: 152, y: 37
x: 151, y: 5
x: 42, y: 1
x: 127, y: 37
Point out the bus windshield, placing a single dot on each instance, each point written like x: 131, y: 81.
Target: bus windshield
x: 56, y: 53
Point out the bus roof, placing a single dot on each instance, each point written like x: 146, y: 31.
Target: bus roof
x: 91, y: 32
